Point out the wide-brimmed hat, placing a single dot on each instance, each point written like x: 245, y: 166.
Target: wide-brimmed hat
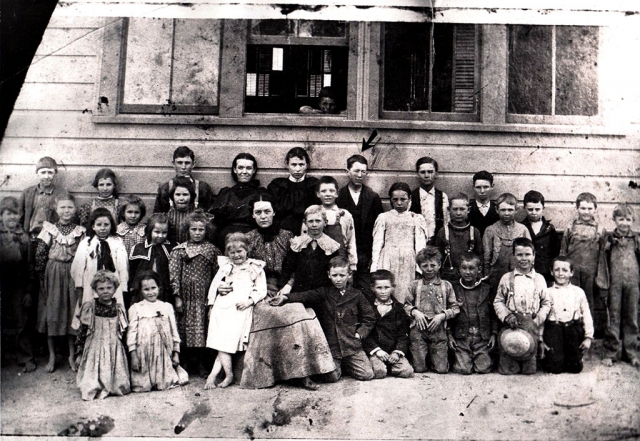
x: 517, y: 343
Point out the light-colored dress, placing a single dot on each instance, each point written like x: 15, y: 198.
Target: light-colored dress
x: 85, y: 266
x: 153, y: 333
x: 228, y: 326
x: 103, y: 369
x: 287, y: 341
x: 57, y: 301
x: 397, y: 238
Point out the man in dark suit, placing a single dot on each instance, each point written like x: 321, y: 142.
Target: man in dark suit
x: 482, y: 210
x: 365, y: 205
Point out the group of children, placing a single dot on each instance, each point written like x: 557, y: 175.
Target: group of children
x: 478, y: 270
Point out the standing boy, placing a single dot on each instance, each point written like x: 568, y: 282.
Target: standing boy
x: 483, y: 212
x: 184, y: 160
x: 543, y: 233
x: 430, y: 302
x: 346, y: 318
x: 457, y: 237
x: 619, y: 272
x: 521, y: 302
x: 17, y: 278
x: 365, y: 205
x: 581, y: 244
x: 37, y: 203
x: 339, y: 222
x: 498, y: 240
x: 388, y: 342
x: 427, y: 200
x: 472, y: 333
x: 569, y: 328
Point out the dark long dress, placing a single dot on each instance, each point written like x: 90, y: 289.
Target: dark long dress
x: 232, y: 210
x: 287, y: 341
x: 148, y: 257
x: 292, y: 198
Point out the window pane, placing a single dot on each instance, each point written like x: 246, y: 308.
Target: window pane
x: 304, y: 71
x: 576, y: 70
x: 196, y: 62
x: 442, y: 68
x: 530, y: 76
x: 322, y: 28
x: 406, y: 66
x: 148, y: 61
x: 300, y: 28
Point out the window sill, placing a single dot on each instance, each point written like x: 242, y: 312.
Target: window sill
x: 340, y: 121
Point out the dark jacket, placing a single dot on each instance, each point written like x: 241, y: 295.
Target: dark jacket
x: 459, y: 325
x: 390, y: 332
x: 142, y: 258
x: 547, y: 243
x: 309, y: 266
x: 292, y: 198
x: 205, y: 197
x: 439, y: 210
x: 341, y: 317
x: 478, y: 220
x: 27, y: 199
x: 364, y: 217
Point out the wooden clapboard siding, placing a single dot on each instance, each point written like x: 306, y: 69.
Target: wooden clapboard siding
x: 53, y: 117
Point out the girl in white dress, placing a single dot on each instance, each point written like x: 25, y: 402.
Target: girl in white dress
x: 239, y: 284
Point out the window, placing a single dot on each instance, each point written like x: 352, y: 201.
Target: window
x: 290, y: 61
x: 170, y: 66
x: 430, y: 71
x: 553, y: 73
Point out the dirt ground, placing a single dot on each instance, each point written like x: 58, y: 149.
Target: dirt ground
x: 600, y: 403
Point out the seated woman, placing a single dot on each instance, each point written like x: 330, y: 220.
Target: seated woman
x: 296, y: 192
x: 231, y: 210
x: 285, y: 342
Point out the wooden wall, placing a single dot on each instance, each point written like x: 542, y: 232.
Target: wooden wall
x: 53, y: 116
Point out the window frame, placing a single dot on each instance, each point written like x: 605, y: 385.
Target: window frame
x: 425, y: 115
x: 575, y: 120
x: 363, y: 90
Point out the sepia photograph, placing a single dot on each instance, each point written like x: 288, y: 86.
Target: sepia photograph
x: 320, y: 219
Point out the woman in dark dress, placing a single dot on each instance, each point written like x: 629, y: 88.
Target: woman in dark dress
x: 285, y: 342
x: 296, y: 192
x: 231, y: 209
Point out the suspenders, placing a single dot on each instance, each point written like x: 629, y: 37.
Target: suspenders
x: 447, y: 248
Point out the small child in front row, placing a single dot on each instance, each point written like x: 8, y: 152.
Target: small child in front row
x: 153, y: 340
x: 472, y: 333
x: 568, y: 331
x: 106, y: 183
x: 457, y: 237
x: 153, y: 255
x: 619, y: 272
x: 388, y: 342
x: 543, y: 234
x: 131, y: 229
x: 239, y: 284
x: 430, y: 302
x: 521, y: 302
x: 346, y: 318
x: 581, y: 244
x: 100, y: 354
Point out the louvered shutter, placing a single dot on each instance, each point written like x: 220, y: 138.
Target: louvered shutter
x: 464, y: 66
